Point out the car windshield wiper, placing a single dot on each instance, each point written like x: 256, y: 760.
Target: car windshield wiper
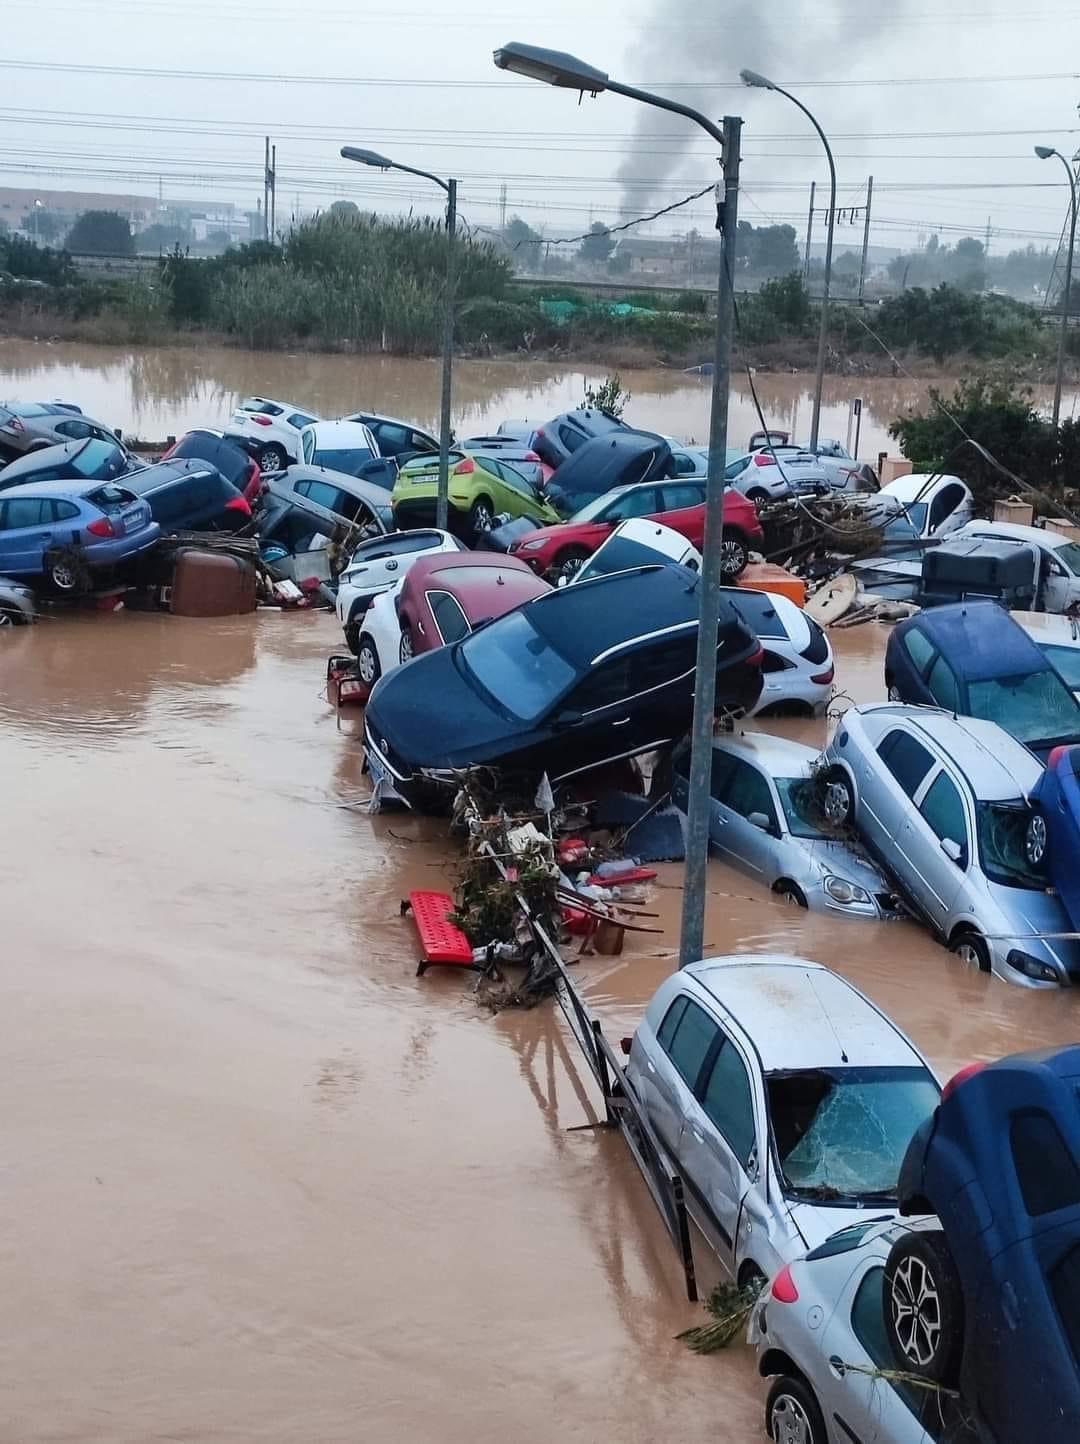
x: 826, y: 1193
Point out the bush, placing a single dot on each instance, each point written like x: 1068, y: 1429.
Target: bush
x: 32, y: 262
x: 520, y: 324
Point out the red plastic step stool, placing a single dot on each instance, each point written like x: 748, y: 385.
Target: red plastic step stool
x: 443, y: 942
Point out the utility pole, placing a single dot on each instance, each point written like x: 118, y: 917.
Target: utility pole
x: 273, y: 192
x: 809, y: 229
x: 986, y: 243
x: 502, y: 207
x: 865, y: 238
x: 266, y: 189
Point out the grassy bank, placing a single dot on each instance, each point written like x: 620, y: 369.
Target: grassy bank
x: 355, y: 284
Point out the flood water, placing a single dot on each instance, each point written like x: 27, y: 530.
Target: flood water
x: 260, y: 1181
x: 153, y: 392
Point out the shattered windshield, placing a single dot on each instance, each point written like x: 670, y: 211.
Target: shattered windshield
x: 799, y: 797
x: 1069, y: 557
x: 841, y: 1134
x: 907, y: 524
x: 517, y: 666
x: 1002, y: 833
x: 1033, y: 706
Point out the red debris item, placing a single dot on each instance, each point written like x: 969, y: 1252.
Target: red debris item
x: 443, y: 942
x: 579, y: 924
x: 636, y: 874
x: 343, y: 687
x: 572, y: 849
x: 309, y: 585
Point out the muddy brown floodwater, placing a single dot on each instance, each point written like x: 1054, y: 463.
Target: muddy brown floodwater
x: 153, y: 392
x: 261, y: 1182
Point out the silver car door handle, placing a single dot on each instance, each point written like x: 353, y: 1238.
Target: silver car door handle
x: 651, y: 1066
x: 621, y: 722
x: 700, y: 1138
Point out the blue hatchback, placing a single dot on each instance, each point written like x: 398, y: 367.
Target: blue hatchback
x: 971, y: 658
x: 64, y: 531
x: 992, y: 1301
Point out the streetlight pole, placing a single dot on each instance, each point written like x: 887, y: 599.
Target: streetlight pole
x: 1044, y: 152
x: 556, y: 68
x: 380, y: 162
x: 760, y: 82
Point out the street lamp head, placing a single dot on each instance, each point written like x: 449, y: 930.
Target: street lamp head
x: 759, y: 82
x: 366, y: 157
x: 553, y: 67
x: 1044, y: 152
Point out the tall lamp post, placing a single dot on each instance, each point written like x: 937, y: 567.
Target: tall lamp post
x: 380, y: 162
x: 761, y: 82
x: 556, y: 68
x: 1044, y: 152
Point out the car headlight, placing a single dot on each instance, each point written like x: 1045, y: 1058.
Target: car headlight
x: 1032, y: 967
x: 842, y: 891
x: 531, y: 546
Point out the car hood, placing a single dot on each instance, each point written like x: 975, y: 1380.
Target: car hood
x: 840, y: 860
x: 1025, y: 909
x: 469, y: 729
x: 817, y: 1222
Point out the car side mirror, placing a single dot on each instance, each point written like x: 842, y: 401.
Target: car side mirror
x: 565, y: 720
x: 758, y: 819
x: 952, y: 850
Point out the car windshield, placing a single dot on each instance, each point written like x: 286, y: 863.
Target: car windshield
x: 841, y: 1134
x: 98, y: 461
x: 593, y: 508
x: 1066, y: 660
x: 799, y: 797
x: 1033, y: 706
x: 620, y: 554
x: 1002, y: 828
x: 1069, y: 557
x: 349, y: 459
x: 517, y: 666
x: 907, y: 523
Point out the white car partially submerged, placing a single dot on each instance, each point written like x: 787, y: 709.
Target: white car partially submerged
x: 378, y: 566
x: 270, y: 430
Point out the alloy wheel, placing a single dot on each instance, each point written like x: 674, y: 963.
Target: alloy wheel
x: 732, y: 557
x: 405, y: 649
x: 63, y: 576
x: 789, y: 1424
x: 968, y: 953
x: 272, y: 459
x: 367, y: 664
x: 837, y: 804
x: 1035, y: 842
x: 916, y: 1307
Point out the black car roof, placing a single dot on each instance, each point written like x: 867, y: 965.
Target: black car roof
x: 152, y: 478
x: 33, y: 461
x: 589, y: 618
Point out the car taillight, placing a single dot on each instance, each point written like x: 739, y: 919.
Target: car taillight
x: 756, y: 659
x: 262, y: 420
x: 465, y: 468
x: 961, y: 1077
x: 824, y: 678
x: 762, y: 458
x: 783, y: 1287
x: 16, y: 424
x: 238, y: 503
x: 102, y: 527
x: 1056, y: 754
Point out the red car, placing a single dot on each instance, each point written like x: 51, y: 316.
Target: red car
x: 446, y: 595
x: 678, y: 504
x: 230, y: 459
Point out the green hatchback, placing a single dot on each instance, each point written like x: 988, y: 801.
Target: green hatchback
x: 481, y: 488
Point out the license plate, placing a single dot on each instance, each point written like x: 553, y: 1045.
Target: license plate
x: 377, y: 770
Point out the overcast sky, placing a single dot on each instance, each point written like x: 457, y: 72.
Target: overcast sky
x: 417, y: 82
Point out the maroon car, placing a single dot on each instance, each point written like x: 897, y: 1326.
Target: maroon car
x: 447, y: 595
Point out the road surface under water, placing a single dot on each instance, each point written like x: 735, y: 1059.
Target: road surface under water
x: 261, y: 1182
x: 154, y: 392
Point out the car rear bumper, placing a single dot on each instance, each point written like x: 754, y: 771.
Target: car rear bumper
x: 110, y: 552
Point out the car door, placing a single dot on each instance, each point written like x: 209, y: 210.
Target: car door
x: 859, y: 1405
x: 936, y: 839
x: 684, y: 1039
x: 744, y: 793
x: 681, y: 506
x: 912, y: 656
x: 514, y: 493
x: 451, y: 622
x: 25, y: 533
x: 887, y: 790
x: 719, y: 1144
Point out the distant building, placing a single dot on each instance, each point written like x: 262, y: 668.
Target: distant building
x: 678, y: 258
x: 16, y: 202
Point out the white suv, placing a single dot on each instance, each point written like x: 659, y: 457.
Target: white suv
x: 269, y: 430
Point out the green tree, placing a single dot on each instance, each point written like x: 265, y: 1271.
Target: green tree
x: 161, y: 237
x: 597, y: 245
x: 767, y: 250
x: 523, y: 243
x: 42, y: 224
x: 344, y: 208
x: 101, y: 233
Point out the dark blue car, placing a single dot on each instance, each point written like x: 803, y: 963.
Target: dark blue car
x: 972, y: 658
x: 1055, y: 831
x: 66, y: 531
x: 991, y: 1302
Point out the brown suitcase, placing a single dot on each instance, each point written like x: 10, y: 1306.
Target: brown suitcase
x: 211, y: 584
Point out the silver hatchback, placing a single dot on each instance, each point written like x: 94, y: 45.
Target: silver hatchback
x: 783, y: 1098
x: 942, y: 802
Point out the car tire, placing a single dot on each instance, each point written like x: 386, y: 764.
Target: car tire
x: 838, y: 803
x: 970, y: 947
x: 789, y: 893
x: 481, y: 515
x: 792, y: 1414
x: 734, y: 555
x: 405, y: 646
x: 272, y: 458
x: 368, y: 667
x: 924, y: 1307
x: 66, y: 571
x: 569, y: 562
x: 757, y: 496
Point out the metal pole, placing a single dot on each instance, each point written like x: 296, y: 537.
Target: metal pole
x: 865, y: 238
x: 823, y: 331
x: 692, y: 934
x: 273, y: 192
x: 266, y: 190
x: 1066, y: 295
x: 443, y: 504
x: 809, y: 229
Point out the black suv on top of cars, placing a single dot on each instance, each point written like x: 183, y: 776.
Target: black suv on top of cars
x: 190, y: 495
x: 595, y: 673
x: 622, y: 458
x: 560, y: 438
x: 89, y: 460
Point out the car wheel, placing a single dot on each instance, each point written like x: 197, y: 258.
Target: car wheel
x: 757, y: 496
x: 924, y: 1307
x: 1035, y: 840
x: 789, y: 893
x: 838, y: 804
x: 405, y: 647
x: 367, y: 662
x: 67, y: 571
x: 792, y: 1414
x: 273, y: 458
x: 481, y: 515
x: 9, y: 618
x: 734, y: 555
x: 570, y: 562
x: 970, y: 948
